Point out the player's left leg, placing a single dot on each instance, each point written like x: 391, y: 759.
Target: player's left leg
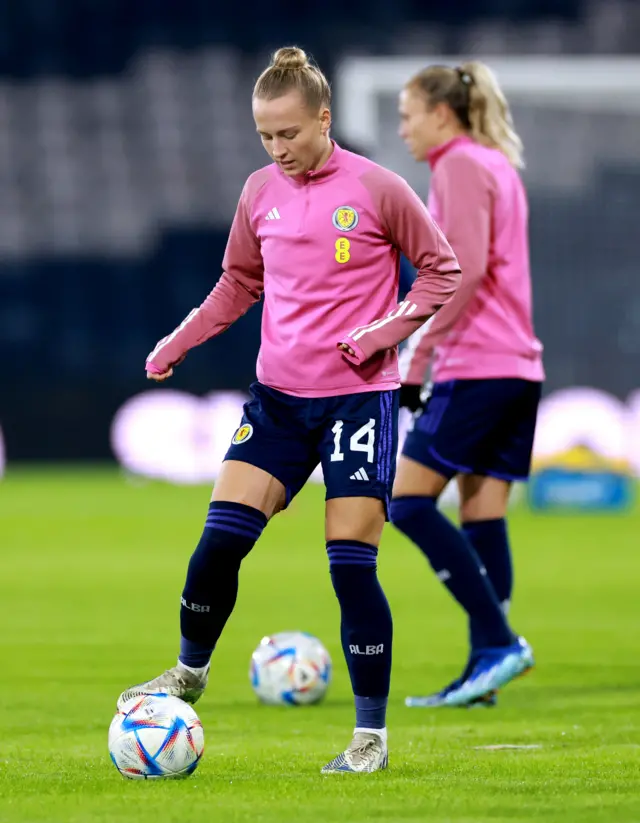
x: 358, y: 460
x: 353, y: 529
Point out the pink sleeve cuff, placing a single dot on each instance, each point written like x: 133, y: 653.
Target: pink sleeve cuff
x: 153, y: 369
x: 359, y: 357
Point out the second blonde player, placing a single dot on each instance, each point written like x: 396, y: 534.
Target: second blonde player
x: 478, y: 423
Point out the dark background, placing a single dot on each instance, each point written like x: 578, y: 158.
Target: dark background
x: 126, y: 135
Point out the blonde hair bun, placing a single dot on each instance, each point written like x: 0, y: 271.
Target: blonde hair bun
x: 290, y: 57
x: 291, y: 70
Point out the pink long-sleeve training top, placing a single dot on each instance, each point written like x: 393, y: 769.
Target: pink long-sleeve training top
x: 324, y: 249
x: 478, y: 200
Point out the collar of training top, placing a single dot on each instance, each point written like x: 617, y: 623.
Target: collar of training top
x: 330, y: 167
x: 433, y: 155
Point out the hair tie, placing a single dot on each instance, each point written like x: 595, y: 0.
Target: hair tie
x: 465, y: 77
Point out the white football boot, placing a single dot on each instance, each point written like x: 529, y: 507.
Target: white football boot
x: 179, y: 682
x: 367, y: 752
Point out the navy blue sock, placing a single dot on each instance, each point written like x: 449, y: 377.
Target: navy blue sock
x: 490, y: 539
x: 456, y: 565
x: 366, y: 627
x: 212, y: 578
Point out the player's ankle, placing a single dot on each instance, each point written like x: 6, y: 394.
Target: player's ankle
x: 199, y: 671
x: 381, y: 733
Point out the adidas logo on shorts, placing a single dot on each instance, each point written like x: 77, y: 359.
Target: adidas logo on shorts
x: 359, y: 475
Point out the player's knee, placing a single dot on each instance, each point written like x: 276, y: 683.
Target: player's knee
x: 355, y: 518
x: 483, y: 498
x: 413, y: 479
x: 249, y: 486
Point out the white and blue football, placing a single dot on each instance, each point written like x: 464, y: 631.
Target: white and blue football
x: 156, y: 736
x: 290, y: 668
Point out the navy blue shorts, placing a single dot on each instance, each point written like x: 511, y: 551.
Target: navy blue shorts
x: 354, y: 437
x: 483, y: 427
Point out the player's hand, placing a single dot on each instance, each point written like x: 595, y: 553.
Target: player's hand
x: 348, y: 349
x: 159, y: 377
x: 165, y: 375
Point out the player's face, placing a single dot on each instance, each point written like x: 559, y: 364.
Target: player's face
x: 420, y: 125
x: 294, y: 137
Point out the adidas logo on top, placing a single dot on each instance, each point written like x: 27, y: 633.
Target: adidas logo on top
x: 359, y: 475
x: 274, y: 214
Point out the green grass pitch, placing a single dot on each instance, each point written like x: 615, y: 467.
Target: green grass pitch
x: 91, y: 569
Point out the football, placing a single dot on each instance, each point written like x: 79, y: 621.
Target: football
x: 155, y: 736
x: 290, y: 668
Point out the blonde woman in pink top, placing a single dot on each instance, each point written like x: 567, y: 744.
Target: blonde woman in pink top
x: 318, y: 235
x: 476, y: 418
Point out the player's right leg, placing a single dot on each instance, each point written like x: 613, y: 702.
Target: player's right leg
x: 244, y: 499
x: 267, y: 463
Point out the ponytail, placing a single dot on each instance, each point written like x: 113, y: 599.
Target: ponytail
x: 489, y: 114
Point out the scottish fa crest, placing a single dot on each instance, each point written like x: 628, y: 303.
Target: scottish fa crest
x: 242, y: 434
x: 345, y: 218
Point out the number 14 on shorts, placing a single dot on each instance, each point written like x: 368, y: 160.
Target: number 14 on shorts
x: 362, y: 440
